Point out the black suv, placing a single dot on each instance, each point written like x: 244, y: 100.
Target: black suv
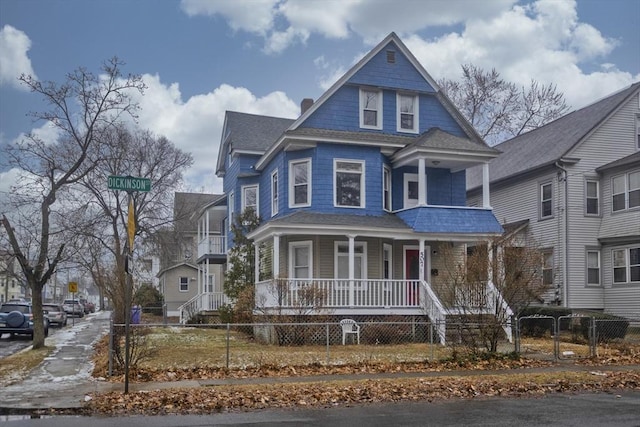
x: 17, y: 318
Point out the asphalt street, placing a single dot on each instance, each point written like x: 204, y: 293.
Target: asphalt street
x: 583, y: 410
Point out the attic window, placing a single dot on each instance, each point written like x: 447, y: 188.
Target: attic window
x: 391, y: 56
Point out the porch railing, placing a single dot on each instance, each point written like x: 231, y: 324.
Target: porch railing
x: 436, y: 311
x: 207, y: 301
x: 498, y: 306
x: 338, y: 293
x: 212, y: 245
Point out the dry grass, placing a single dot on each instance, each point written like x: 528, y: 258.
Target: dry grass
x: 208, y: 347
x: 16, y: 367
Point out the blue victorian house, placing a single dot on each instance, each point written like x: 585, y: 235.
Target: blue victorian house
x: 358, y: 193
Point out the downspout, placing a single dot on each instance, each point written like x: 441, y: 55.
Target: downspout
x: 565, y: 268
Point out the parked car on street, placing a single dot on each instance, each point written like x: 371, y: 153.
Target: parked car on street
x: 89, y: 307
x: 56, y: 314
x: 73, y: 307
x: 17, y: 318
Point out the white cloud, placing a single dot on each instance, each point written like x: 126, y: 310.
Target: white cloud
x: 256, y: 16
x: 195, y: 125
x: 14, y: 45
x: 543, y: 41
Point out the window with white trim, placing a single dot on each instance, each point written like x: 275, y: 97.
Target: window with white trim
x: 407, y: 115
x: 410, y: 190
x: 300, y: 259
x: 299, y: 183
x: 341, y: 260
x: 625, y: 191
x: 370, y: 109
x: 638, y: 133
x: 232, y: 204
x: 250, y: 198
x: 546, y: 200
x: 593, y: 267
x: 387, y: 261
x: 184, y: 284
x: 626, y: 265
x: 274, y: 192
x: 592, y: 197
x: 348, y: 183
x: 386, y: 188
x: 547, y: 267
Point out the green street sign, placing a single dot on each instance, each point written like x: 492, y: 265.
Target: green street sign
x: 128, y: 183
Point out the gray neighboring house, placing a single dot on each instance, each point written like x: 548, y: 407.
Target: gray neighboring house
x: 181, y: 277
x: 575, y: 183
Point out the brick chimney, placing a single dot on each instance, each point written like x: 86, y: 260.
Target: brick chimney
x: 305, y: 105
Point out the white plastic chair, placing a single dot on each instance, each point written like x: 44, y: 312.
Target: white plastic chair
x: 349, y: 326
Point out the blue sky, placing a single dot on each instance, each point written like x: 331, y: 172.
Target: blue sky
x: 202, y: 57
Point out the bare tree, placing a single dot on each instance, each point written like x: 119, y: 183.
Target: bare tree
x: 499, y: 109
x: 140, y: 154
x: 484, y: 281
x: 82, y: 109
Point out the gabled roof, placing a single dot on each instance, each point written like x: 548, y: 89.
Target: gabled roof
x: 249, y: 133
x: 390, y: 39
x: 550, y: 143
x: 441, y: 146
x: 174, y: 266
x: 185, y: 204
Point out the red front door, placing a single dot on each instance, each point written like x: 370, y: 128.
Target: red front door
x: 412, y: 273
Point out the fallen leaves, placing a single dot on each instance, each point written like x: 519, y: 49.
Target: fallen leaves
x: 318, y: 394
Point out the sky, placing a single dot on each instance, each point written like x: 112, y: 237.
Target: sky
x: 200, y: 58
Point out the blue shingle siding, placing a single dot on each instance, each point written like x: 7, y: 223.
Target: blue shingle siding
x: 450, y: 220
x: 433, y: 114
x: 398, y: 75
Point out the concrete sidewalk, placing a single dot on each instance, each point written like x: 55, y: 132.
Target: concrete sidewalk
x: 64, y: 381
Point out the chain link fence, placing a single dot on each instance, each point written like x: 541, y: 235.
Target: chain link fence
x: 278, y: 345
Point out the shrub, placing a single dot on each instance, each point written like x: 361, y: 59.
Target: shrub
x: 540, y: 327
x: 608, y: 327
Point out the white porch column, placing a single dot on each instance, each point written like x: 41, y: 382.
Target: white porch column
x: 256, y: 258
x: 485, y: 186
x: 276, y: 256
x: 422, y: 257
x: 422, y: 183
x: 352, y: 269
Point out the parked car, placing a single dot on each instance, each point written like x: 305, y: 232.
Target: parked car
x: 73, y: 307
x: 89, y: 307
x: 17, y: 318
x: 56, y: 314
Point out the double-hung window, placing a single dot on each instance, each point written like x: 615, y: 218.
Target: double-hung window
x: 625, y: 191
x: 592, y: 197
x: 250, y: 198
x: 593, y: 267
x: 386, y: 188
x: 547, y: 268
x: 626, y: 265
x: 300, y: 183
x: 348, y: 183
x: 274, y: 193
x: 300, y: 260
x: 184, y: 284
x: 341, y: 262
x: 546, y: 200
x: 370, y: 109
x: 407, y: 117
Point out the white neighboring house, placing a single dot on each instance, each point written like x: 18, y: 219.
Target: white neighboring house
x: 10, y: 285
x: 182, y: 276
x: 576, y: 181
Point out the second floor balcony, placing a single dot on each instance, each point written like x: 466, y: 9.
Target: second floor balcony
x: 212, y: 249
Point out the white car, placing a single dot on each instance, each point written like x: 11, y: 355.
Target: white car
x: 73, y: 307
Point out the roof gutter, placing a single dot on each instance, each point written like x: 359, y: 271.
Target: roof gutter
x: 565, y: 267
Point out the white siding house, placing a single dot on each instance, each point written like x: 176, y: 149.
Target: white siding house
x: 577, y: 181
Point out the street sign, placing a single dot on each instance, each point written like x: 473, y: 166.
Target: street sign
x: 73, y: 287
x: 128, y: 183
